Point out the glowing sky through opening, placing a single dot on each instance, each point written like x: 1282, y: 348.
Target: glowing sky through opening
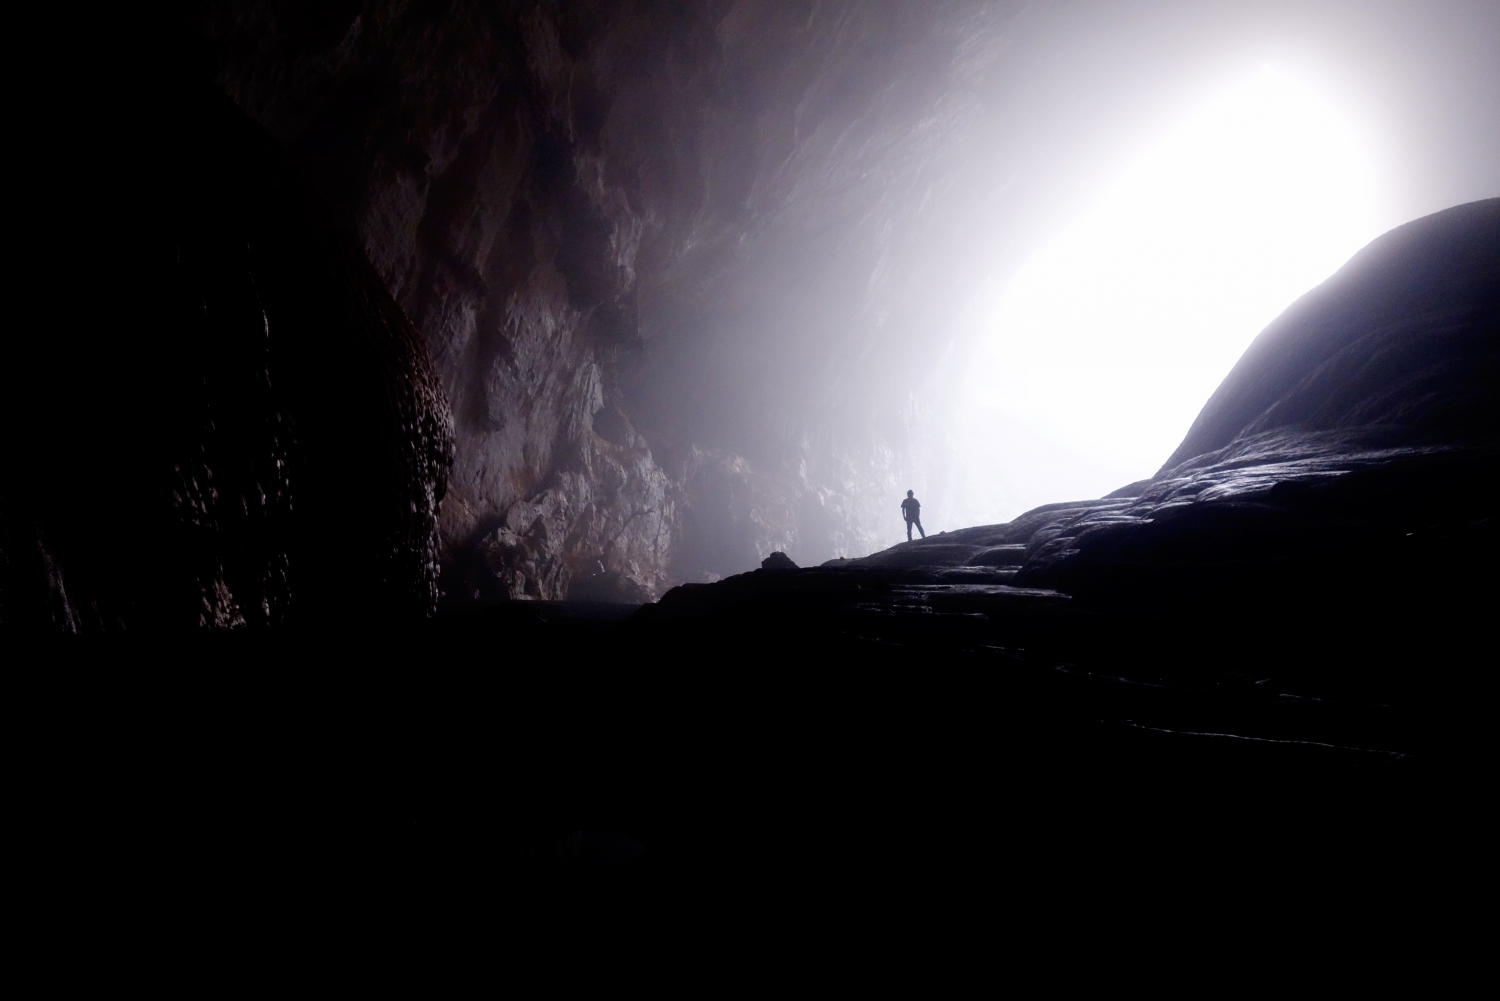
x: 1109, y: 340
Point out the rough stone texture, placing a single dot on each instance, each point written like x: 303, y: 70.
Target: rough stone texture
x: 232, y: 425
x: 666, y: 256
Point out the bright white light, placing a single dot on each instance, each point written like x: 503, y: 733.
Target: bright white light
x: 1109, y: 340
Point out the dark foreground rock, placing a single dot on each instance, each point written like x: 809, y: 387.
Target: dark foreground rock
x: 225, y: 420
x: 822, y: 755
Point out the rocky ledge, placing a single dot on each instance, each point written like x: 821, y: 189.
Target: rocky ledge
x: 1308, y: 566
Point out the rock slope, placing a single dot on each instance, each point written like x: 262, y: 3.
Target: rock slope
x: 1363, y: 418
x: 1324, y: 531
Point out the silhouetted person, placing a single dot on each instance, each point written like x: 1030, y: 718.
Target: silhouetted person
x: 911, y: 510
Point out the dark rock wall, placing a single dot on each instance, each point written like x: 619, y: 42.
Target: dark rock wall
x: 226, y: 422
x: 673, y: 260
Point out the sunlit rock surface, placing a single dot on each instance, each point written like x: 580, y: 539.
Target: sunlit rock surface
x: 1365, y: 416
x: 1325, y: 529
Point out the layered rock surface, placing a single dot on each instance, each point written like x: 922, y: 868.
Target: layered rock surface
x: 1363, y: 418
x: 1324, y: 531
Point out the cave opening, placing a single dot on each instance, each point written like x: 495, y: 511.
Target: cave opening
x: 1101, y: 349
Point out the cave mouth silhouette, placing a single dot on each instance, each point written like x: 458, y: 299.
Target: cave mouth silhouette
x: 1101, y: 350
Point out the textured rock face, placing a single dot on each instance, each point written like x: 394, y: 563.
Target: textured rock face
x: 664, y: 255
x: 232, y: 424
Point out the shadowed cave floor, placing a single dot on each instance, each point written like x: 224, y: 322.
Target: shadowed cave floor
x: 857, y: 740
x: 847, y: 735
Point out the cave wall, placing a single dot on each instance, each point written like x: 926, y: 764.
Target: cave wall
x: 224, y: 421
x: 672, y: 261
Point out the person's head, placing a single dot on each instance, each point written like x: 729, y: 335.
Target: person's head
x: 908, y: 493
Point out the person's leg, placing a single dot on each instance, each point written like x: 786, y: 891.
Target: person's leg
x: 908, y: 531
x: 919, y: 528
